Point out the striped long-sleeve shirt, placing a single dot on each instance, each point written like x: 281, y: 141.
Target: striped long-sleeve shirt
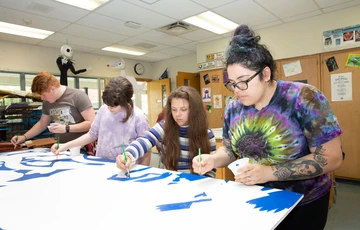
x: 155, y: 137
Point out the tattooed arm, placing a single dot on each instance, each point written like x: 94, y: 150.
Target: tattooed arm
x: 322, y: 159
x: 224, y: 155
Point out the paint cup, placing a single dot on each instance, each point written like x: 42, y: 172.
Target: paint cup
x: 75, y: 151
x: 234, y: 166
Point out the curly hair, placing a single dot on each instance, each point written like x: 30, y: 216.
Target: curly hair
x: 118, y: 92
x: 43, y: 81
x: 197, y: 129
x: 244, y: 49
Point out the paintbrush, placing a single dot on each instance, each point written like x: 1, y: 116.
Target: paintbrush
x: 123, y: 150
x: 17, y: 138
x: 200, y: 169
x: 57, y: 146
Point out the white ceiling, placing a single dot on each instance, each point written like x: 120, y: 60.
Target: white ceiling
x: 88, y: 32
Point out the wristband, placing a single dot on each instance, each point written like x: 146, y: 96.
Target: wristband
x: 25, y: 137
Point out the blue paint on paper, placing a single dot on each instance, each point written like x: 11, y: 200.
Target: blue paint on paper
x: 277, y: 201
x: 3, y: 167
x: 201, y: 194
x: 29, y: 161
x: 266, y: 189
x: 187, y: 176
x: 139, y: 170
x: 181, y: 205
x: 147, y: 177
x: 38, y: 175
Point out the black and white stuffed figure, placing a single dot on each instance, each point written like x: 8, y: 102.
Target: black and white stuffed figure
x: 64, y: 63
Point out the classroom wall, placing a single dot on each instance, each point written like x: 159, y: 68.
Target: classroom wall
x: 295, y: 38
x: 31, y: 58
x: 19, y: 57
x: 180, y: 64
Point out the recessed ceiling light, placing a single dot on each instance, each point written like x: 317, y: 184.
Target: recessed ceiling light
x: 24, y: 31
x: 125, y: 50
x: 84, y: 4
x: 212, y: 22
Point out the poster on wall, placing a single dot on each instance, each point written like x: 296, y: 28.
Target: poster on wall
x: 206, y: 79
x: 332, y: 64
x: 292, y: 68
x: 213, y: 60
x: 337, y: 38
x: 341, y: 87
x: 217, y: 101
x: 353, y: 60
x: 215, y: 78
x: 206, y: 94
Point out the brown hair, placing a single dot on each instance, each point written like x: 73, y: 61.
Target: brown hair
x: 197, y: 131
x: 43, y: 81
x: 118, y: 92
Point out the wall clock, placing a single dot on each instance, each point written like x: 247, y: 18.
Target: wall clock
x: 139, y: 68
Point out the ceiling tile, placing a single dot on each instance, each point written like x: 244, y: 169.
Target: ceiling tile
x: 199, y: 34
x: 285, y: 8
x: 74, y: 40
x: 176, y: 51
x: 95, y: 34
x: 247, y: 12
x: 166, y: 39
x: 147, y: 18
x: 39, y: 22
x: 117, y: 26
x: 173, y: 9
x: 60, y: 11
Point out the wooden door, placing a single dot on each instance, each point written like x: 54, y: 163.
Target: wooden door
x: 310, y: 71
x: 347, y: 112
x: 158, y: 92
x: 188, y: 79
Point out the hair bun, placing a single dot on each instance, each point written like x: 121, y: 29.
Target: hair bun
x: 244, y: 36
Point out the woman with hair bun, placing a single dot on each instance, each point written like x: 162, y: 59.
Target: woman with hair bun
x: 287, y: 130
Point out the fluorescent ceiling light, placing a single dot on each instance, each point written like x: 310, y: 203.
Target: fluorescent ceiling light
x: 24, y: 31
x: 212, y: 22
x: 84, y: 4
x: 125, y: 50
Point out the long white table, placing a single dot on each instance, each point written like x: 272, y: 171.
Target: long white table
x: 40, y: 191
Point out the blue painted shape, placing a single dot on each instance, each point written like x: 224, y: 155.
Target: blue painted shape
x: 23, y: 171
x: 3, y: 167
x: 142, y: 178
x: 37, y: 175
x: 266, y: 189
x: 18, y: 152
x: 277, y: 201
x: 201, y: 194
x: 178, y: 206
x: 28, y: 161
x: 187, y: 176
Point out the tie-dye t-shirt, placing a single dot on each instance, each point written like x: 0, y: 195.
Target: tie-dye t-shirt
x: 297, y: 118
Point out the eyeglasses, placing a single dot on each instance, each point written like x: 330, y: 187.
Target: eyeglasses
x: 242, y: 85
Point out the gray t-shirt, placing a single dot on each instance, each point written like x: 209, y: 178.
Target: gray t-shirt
x: 67, y: 110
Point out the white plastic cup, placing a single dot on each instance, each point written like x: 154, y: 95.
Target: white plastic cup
x: 234, y: 166
x: 75, y: 151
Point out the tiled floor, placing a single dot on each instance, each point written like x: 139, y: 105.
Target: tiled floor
x: 344, y: 213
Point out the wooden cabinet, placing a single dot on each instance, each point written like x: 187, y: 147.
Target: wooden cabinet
x: 216, y: 86
x: 310, y: 71
x: 347, y: 112
x: 315, y: 72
